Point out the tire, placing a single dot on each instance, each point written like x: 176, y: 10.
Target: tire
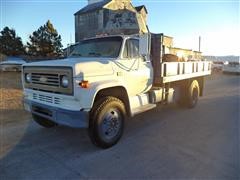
x: 189, y: 94
x: 107, y: 122
x: 43, y: 122
x: 192, y: 95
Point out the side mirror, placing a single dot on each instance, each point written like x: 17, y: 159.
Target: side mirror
x: 144, y: 44
x: 146, y: 58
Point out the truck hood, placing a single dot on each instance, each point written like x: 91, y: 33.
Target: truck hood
x: 86, y: 67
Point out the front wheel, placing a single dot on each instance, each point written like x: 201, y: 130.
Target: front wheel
x: 107, y: 122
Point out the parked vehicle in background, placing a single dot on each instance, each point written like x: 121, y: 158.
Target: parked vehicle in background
x: 232, y: 67
x: 12, y: 64
x: 217, y: 66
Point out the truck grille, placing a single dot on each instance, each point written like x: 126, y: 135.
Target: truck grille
x: 47, y: 99
x: 48, y: 79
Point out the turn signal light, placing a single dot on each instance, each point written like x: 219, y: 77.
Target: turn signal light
x: 84, y: 84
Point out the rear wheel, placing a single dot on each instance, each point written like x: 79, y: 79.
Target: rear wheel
x: 192, y: 94
x: 189, y: 94
x: 107, y: 122
x: 43, y: 122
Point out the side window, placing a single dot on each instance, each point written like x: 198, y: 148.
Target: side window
x: 131, y: 49
x: 126, y: 50
x: 134, y: 46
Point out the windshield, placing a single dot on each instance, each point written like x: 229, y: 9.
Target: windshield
x: 100, y: 47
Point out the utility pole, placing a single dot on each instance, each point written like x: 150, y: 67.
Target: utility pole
x: 199, y: 45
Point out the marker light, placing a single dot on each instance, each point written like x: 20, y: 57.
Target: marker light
x: 84, y: 84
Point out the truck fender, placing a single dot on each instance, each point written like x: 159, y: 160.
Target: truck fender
x: 88, y: 96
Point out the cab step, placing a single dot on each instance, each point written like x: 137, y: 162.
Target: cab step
x: 143, y: 108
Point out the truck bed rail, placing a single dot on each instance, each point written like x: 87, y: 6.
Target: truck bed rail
x: 175, y: 71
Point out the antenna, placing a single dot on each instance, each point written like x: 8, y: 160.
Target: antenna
x: 199, y: 45
x: 69, y: 45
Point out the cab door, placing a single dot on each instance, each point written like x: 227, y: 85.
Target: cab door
x: 135, y: 70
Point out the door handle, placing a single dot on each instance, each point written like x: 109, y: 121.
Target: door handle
x: 119, y: 73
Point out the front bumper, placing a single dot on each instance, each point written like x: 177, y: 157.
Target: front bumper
x: 77, y: 119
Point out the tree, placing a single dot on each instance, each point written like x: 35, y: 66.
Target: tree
x: 45, y: 42
x: 10, y: 43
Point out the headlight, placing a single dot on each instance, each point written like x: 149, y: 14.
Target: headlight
x: 64, y: 81
x: 28, y: 78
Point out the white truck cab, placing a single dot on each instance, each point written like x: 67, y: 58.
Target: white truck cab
x: 105, y: 80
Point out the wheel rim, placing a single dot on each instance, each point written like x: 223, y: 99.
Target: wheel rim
x: 111, y: 124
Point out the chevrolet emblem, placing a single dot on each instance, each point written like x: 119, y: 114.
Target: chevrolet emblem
x: 43, y: 79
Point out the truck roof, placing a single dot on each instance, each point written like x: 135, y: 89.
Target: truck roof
x: 106, y: 35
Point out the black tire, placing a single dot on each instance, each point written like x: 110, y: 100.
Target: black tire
x: 189, y: 94
x: 107, y: 122
x: 192, y: 95
x: 43, y: 122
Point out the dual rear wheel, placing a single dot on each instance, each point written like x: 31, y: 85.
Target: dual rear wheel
x: 189, y: 94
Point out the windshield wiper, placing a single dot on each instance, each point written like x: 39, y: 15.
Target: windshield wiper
x: 76, y: 54
x: 94, y: 54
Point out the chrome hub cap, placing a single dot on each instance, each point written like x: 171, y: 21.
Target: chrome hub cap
x: 111, y: 124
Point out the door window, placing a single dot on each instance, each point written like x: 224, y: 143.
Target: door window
x: 131, y: 49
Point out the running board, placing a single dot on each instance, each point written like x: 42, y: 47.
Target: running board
x: 144, y: 108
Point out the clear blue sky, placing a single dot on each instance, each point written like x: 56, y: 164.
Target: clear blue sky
x: 218, y: 22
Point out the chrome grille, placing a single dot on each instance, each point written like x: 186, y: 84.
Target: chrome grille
x: 46, y: 79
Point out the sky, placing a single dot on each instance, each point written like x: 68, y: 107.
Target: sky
x: 216, y: 21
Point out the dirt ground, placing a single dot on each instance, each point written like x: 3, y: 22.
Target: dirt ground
x: 13, y: 117
x: 11, y: 108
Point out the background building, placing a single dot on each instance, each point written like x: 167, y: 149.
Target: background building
x: 109, y: 17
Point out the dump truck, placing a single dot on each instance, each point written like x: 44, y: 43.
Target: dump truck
x: 107, y: 79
